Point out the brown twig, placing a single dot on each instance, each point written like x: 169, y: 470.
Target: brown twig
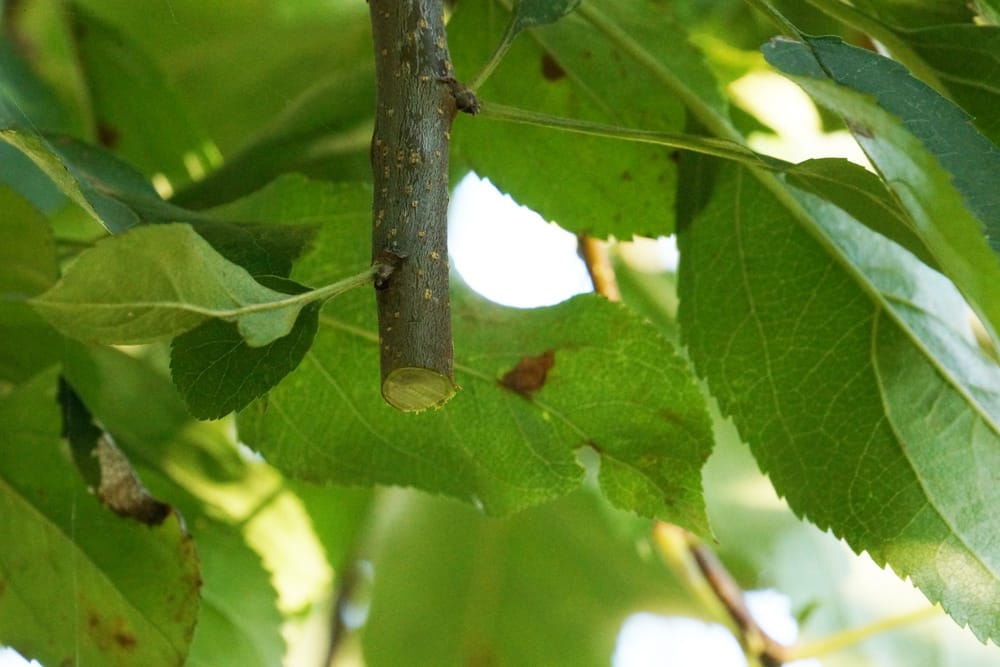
x: 417, y: 98
x: 705, y: 573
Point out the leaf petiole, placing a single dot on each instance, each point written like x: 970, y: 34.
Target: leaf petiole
x: 729, y: 150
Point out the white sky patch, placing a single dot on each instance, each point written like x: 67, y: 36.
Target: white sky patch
x: 507, y: 252
x: 652, y: 640
x: 11, y: 658
x: 784, y: 107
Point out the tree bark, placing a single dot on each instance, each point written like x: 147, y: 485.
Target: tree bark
x: 415, y: 105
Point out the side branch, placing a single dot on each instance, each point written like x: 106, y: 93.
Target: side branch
x: 415, y: 105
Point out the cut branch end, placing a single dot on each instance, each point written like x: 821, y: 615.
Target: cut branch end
x: 416, y: 389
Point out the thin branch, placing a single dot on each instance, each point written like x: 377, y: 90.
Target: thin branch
x: 717, y: 590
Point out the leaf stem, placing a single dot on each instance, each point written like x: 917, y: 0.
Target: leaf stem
x: 777, y: 17
x: 841, y: 640
x: 498, y: 53
x: 729, y: 150
x: 714, y: 122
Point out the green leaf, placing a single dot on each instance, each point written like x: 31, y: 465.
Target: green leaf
x: 916, y: 13
x: 531, y: 13
x: 199, y: 469
x: 806, y: 345
x: 568, y: 69
x: 989, y: 10
x: 239, y: 624
x: 204, y: 53
x: 72, y: 593
x: 966, y: 59
x: 550, y: 586
x: 326, y: 421
x: 137, y: 112
x: 863, y: 196
x: 158, y: 281
x: 28, y: 258
x: 107, y: 189
x: 937, y: 164
x: 324, y: 131
x: 217, y: 372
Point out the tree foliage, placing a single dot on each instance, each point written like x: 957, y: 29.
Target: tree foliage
x: 194, y: 178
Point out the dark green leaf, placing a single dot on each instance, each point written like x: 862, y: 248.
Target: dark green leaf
x: 966, y: 58
x: 217, y: 372
x: 550, y: 586
x: 824, y: 371
x: 72, y: 593
x: 917, y: 13
x: 531, y: 13
x: 204, y: 52
x: 159, y: 281
x: 938, y: 166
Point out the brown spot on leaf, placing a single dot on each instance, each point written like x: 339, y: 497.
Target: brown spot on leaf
x: 627, y: 175
x: 859, y: 129
x: 107, y: 135
x: 529, y: 375
x: 124, y: 639
x: 552, y: 70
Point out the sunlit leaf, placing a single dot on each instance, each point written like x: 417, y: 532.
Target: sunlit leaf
x: 859, y: 397
x: 939, y: 167
x: 159, y: 281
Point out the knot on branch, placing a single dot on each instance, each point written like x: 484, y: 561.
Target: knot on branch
x: 465, y: 100
x: 386, y: 263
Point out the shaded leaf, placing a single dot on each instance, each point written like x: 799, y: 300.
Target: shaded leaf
x: 966, y: 58
x: 158, y: 137
x: 936, y: 163
x: 805, y: 345
x: 71, y: 593
x: 531, y: 13
x: 217, y: 372
x: 916, y: 13
x: 199, y: 469
x: 28, y: 258
x: 490, y: 445
x: 550, y: 586
x: 204, y: 53
x: 159, y: 281
x: 324, y: 131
